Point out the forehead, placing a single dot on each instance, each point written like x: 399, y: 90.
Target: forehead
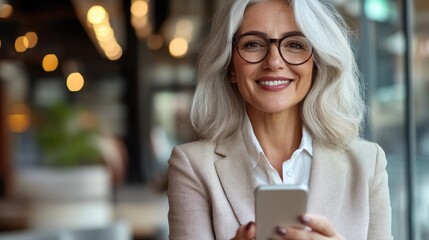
x: 270, y: 16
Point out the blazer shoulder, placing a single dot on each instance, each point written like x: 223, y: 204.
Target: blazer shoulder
x: 361, y: 146
x: 369, y: 155
x: 197, y: 153
x: 197, y: 147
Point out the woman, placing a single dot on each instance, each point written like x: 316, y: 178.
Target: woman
x: 278, y: 102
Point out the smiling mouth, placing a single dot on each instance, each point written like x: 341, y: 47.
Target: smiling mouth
x: 274, y: 83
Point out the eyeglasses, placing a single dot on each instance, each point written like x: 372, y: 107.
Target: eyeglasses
x: 295, y: 49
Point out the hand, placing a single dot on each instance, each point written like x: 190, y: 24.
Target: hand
x: 318, y: 228
x: 246, y: 232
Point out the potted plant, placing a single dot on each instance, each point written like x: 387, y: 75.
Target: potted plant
x: 71, y: 186
x: 66, y: 136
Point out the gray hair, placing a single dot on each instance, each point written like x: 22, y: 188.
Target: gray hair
x: 332, y: 110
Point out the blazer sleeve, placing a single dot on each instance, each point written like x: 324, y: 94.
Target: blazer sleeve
x: 189, y: 213
x: 379, y: 201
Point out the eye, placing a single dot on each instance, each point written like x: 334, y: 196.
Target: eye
x: 252, y: 43
x: 295, y: 44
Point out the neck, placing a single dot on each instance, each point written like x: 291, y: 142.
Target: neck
x: 279, y: 134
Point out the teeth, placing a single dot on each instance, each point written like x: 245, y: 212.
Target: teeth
x: 274, y: 83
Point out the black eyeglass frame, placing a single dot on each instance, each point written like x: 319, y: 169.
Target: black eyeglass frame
x: 237, y: 38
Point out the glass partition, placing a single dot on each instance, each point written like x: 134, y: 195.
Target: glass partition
x: 382, y: 61
x: 420, y: 83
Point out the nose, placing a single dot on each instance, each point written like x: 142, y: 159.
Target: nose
x: 274, y: 60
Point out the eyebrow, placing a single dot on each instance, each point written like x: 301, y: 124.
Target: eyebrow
x: 266, y: 35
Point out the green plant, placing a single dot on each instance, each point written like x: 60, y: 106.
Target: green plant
x: 63, y: 137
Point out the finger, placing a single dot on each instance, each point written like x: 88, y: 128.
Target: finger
x: 279, y: 234
x: 318, y: 224
x: 300, y: 233
x: 246, y: 232
x: 250, y: 230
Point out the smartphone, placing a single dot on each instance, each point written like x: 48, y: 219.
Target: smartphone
x: 279, y: 205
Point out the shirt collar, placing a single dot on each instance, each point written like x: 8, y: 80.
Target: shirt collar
x: 306, y: 141
x: 254, y: 148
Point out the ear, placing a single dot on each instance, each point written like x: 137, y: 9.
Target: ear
x: 315, y: 71
x: 232, y: 75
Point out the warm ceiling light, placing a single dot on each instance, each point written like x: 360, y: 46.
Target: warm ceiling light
x: 32, y: 39
x: 104, y: 33
x: 96, y: 14
x: 50, y: 63
x: 139, y: 22
x: 6, y: 11
x: 114, y: 53
x: 139, y: 8
x: 19, y: 120
x: 109, y: 46
x: 21, y: 44
x: 178, y: 47
x: 75, y: 82
x: 155, y: 41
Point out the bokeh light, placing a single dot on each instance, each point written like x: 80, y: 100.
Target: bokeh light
x: 96, y: 14
x: 32, y: 39
x: 178, y: 47
x: 139, y: 8
x: 155, y: 41
x: 18, y: 120
x: 21, y: 44
x: 50, y: 63
x: 6, y: 10
x: 75, y: 82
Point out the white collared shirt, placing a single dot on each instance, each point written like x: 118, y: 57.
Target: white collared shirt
x: 296, y: 170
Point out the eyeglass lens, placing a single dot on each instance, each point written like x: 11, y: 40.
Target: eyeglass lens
x: 295, y: 49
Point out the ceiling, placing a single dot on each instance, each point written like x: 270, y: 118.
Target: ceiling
x: 61, y: 29
x: 58, y: 29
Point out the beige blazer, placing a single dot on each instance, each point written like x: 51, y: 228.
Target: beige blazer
x: 211, y: 190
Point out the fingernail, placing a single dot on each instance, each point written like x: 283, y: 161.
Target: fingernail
x: 281, y: 231
x: 305, y: 219
x: 248, y: 226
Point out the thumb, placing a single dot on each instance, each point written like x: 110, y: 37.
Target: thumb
x: 246, y: 232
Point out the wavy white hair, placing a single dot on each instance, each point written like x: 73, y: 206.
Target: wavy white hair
x: 332, y: 110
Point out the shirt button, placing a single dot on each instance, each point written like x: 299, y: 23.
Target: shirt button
x: 289, y: 173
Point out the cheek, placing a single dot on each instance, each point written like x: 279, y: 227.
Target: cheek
x: 242, y: 70
x: 306, y: 76
x: 308, y: 71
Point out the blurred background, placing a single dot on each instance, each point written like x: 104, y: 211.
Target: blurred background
x: 94, y: 94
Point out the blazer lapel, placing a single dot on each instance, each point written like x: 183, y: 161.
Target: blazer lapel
x: 326, y: 188
x: 236, y: 176
x: 327, y: 181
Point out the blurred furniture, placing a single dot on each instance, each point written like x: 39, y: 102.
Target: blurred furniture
x: 145, y: 209
x: 112, y: 231
x: 64, y: 197
x: 13, y: 216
